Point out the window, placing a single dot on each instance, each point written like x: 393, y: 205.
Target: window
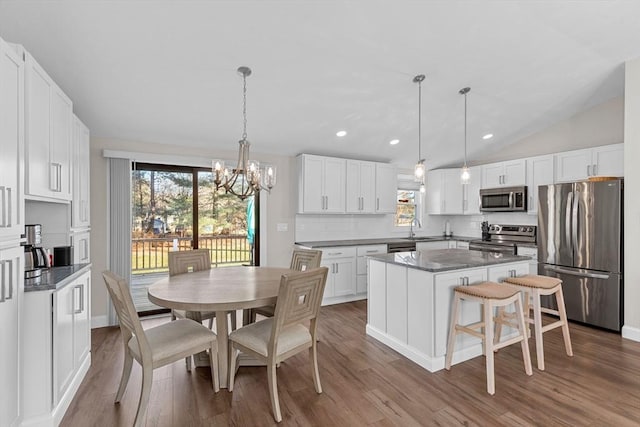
x: 407, y: 207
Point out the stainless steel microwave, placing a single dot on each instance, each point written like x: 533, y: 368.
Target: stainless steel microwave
x: 504, y: 199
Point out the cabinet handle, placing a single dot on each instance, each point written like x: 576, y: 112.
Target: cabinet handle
x: 60, y: 177
x: 86, y: 249
x: 337, y: 268
x: 2, y: 281
x: 9, y: 207
x: 10, y: 262
x: 334, y: 253
x: 372, y: 251
x: 588, y: 170
x: 594, y: 170
x: 4, y: 205
x: 52, y: 176
x: 377, y: 203
x: 80, y: 308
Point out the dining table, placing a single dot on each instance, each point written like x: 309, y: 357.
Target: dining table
x: 222, y: 290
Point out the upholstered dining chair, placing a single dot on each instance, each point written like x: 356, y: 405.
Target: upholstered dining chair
x: 291, y: 330
x: 155, y: 347
x: 301, y: 260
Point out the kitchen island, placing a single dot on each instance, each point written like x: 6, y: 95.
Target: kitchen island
x: 411, y: 295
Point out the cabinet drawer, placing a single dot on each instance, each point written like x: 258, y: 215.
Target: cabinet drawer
x: 338, y: 252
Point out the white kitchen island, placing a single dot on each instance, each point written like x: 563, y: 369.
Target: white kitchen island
x: 411, y: 295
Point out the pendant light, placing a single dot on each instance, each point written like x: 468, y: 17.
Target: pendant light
x: 419, y: 170
x: 247, y: 174
x: 465, y: 175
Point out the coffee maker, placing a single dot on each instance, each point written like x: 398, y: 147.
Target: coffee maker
x: 35, y: 257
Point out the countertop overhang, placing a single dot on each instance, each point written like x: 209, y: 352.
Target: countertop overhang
x: 439, y: 260
x: 56, y: 277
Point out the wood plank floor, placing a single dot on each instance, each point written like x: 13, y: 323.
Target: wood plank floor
x: 366, y: 383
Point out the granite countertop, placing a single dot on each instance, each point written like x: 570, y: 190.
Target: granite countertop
x: 439, y: 260
x: 55, y: 277
x: 382, y: 241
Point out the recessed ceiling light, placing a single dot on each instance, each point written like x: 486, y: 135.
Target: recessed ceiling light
x: 488, y: 136
x: 394, y: 141
x: 341, y: 133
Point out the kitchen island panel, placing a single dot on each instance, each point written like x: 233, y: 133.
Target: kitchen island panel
x: 396, y: 279
x: 377, y: 306
x: 420, y: 317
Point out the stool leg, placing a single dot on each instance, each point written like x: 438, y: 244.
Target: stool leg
x: 565, y: 323
x: 488, y: 346
x: 452, y: 331
x: 526, y: 357
x: 499, y: 319
x: 537, y: 324
x: 527, y: 311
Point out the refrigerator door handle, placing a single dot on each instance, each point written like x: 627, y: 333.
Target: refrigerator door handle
x: 574, y: 222
x: 576, y: 273
x: 567, y: 219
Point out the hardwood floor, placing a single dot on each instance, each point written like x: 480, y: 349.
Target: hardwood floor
x: 366, y: 383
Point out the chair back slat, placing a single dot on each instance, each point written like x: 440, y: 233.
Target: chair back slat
x: 126, y: 311
x: 305, y: 259
x: 181, y: 262
x: 299, y: 299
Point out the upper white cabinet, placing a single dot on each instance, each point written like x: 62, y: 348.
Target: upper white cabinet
x: 322, y: 184
x: 539, y: 172
x: 361, y: 187
x: 329, y: 185
x: 80, y: 201
x: 607, y: 160
x: 11, y: 143
x: 386, y: 188
x: 48, y: 131
x: 471, y: 192
x: 444, y: 192
x: 504, y: 174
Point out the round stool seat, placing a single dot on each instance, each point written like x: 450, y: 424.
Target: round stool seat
x: 533, y: 281
x: 487, y: 290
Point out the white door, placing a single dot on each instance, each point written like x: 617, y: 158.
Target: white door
x: 344, y: 277
x: 452, y: 191
x: 312, y: 179
x: 386, y: 188
x: 353, y: 194
x: 368, y: 187
x: 63, y: 366
x: 60, y: 154
x: 334, y: 185
x: 471, y: 192
x: 539, y: 172
x: 492, y: 175
x: 608, y: 160
x: 515, y: 173
x: 81, y: 320
x: 573, y: 165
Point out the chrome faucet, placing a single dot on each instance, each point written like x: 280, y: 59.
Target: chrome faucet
x: 416, y: 222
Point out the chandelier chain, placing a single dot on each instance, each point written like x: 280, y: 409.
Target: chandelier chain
x: 465, y: 129
x: 244, y: 106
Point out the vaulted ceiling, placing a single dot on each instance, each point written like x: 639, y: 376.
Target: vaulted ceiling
x: 165, y: 71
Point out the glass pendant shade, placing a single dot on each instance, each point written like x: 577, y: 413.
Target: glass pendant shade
x: 419, y: 171
x: 465, y: 175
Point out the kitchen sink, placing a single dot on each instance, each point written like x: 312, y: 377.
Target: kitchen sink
x: 422, y: 239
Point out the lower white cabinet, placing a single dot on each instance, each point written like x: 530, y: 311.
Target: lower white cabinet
x: 500, y: 272
x: 531, y: 253
x: 341, y: 281
x: 11, y: 290
x: 362, y: 252
x: 57, y: 346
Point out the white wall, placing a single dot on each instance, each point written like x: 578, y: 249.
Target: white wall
x: 631, y: 328
x: 280, y: 208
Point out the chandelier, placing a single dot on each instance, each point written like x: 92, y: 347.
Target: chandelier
x: 246, y: 179
x: 419, y: 170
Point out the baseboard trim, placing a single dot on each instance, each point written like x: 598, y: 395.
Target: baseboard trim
x: 631, y: 333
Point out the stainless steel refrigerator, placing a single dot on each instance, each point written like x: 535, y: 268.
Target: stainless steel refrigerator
x: 580, y: 240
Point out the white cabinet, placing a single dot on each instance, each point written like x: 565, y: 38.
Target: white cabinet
x: 57, y: 345
x: 81, y: 242
x: 11, y: 143
x: 321, y: 184
x: 439, y: 244
x: 386, y: 188
x: 504, y: 174
x: 539, y: 172
x: 500, y: 272
x: 362, y: 252
x: 531, y: 253
x: 444, y: 192
x: 470, y: 312
x: 361, y: 187
x: 341, y: 281
x: 81, y: 175
x: 11, y: 291
x: 607, y: 160
x: 48, y: 129
x: 462, y: 245
x: 471, y: 192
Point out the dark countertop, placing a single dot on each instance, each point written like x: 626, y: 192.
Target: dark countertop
x: 439, y: 260
x: 382, y: 241
x: 55, y: 277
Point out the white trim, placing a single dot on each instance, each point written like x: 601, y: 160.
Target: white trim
x: 631, y: 333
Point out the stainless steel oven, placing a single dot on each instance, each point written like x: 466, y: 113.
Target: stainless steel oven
x: 505, y: 238
x: 504, y: 199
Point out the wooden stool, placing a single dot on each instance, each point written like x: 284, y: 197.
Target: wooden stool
x: 490, y: 295
x: 535, y: 286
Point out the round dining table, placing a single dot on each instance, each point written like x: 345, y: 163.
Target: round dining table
x: 222, y: 290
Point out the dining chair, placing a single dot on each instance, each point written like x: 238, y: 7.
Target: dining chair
x: 301, y: 260
x: 291, y: 330
x: 157, y: 346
